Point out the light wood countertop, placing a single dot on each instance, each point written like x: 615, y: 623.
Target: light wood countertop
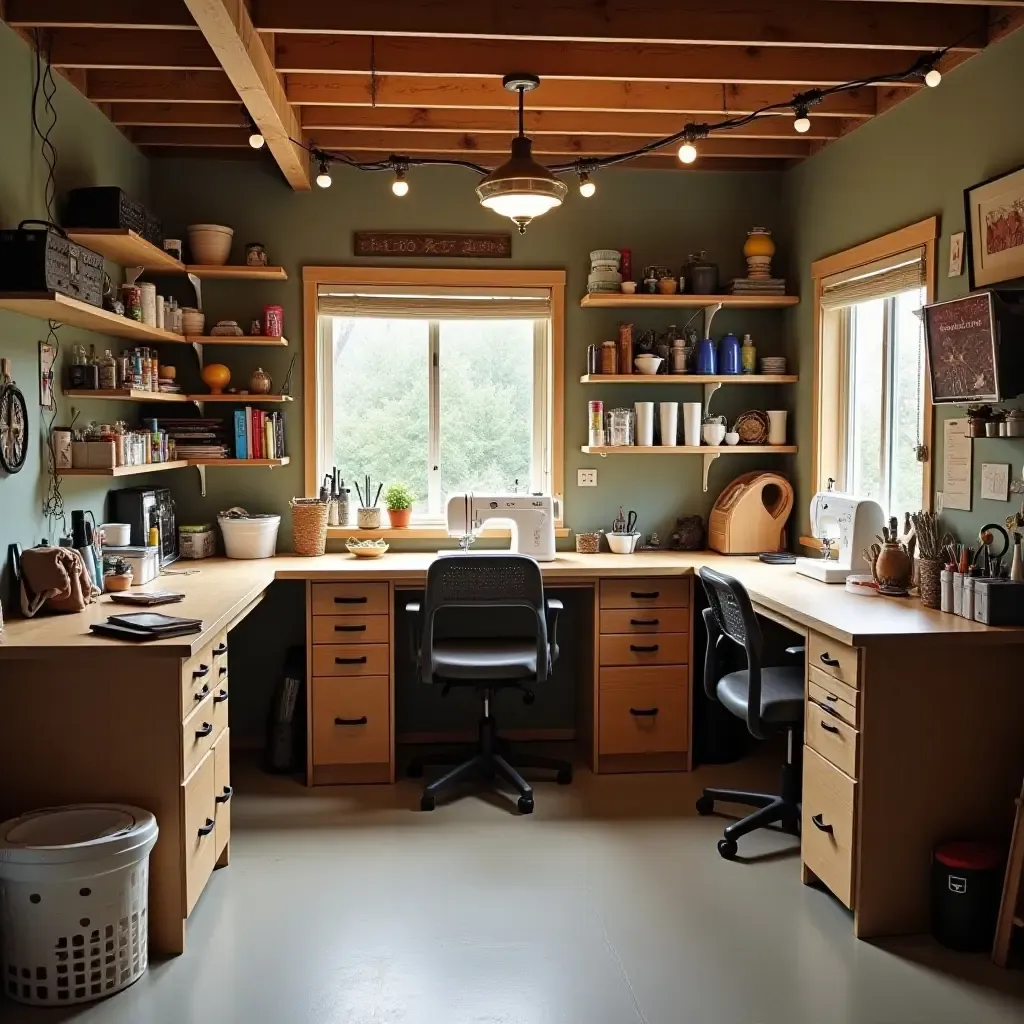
x: 220, y: 591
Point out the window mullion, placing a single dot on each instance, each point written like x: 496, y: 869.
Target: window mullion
x: 888, y: 400
x: 434, y: 421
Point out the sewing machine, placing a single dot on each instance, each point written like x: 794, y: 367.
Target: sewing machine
x: 853, y: 523
x: 531, y: 517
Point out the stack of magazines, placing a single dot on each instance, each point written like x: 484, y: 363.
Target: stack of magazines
x: 198, y: 438
x: 142, y: 626
x: 757, y: 286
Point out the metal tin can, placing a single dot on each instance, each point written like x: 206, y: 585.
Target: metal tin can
x: 131, y: 296
x: 596, y: 414
x: 273, y: 321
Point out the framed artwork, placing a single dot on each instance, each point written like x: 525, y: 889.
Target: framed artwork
x: 956, y: 254
x: 994, y: 213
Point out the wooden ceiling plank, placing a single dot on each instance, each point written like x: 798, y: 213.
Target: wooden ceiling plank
x: 116, y: 86
x: 104, y: 14
x: 233, y: 38
x: 190, y: 136
x: 131, y: 48
x: 538, y: 122
x: 741, y: 22
x: 633, y: 62
x: 710, y: 100
x: 185, y: 115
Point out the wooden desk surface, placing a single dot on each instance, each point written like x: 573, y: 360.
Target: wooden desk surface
x: 220, y: 590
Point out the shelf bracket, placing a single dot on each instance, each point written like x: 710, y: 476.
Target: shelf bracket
x: 197, y: 347
x: 709, y: 315
x: 708, y: 459
x: 709, y: 390
x: 202, y: 480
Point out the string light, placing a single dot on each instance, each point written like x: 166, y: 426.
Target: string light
x: 256, y: 139
x: 932, y: 78
x: 400, y: 186
x: 323, y: 179
x: 587, y: 187
x: 801, y: 122
x: 687, y: 152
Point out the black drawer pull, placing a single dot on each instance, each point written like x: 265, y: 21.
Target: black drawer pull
x: 351, y: 721
x: 826, y: 660
x: 643, y: 648
x: 831, y: 696
x: 200, y: 672
x: 644, y: 622
x: 653, y: 595
x: 350, y: 600
x: 202, y: 693
x: 350, y: 661
x: 827, y: 727
x: 829, y: 711
x: 206, y: 829
x: 361, y: 628
x: 219, y: 650
x: 225, y: 796
x: 820, y: 824
x: 220, y: 697
x: 643, y: 712
x: 223, y: 670
x: 205, y: 731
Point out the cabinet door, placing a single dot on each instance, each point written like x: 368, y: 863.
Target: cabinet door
x: 200, y: 818
x: 222, y: 789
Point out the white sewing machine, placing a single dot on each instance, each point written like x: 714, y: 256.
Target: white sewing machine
x: 853, y: 523
x: 531, y: 517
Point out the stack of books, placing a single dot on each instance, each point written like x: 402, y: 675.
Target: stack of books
x: 259, y: 434
x: 757, y: 286
x: 198, y: 438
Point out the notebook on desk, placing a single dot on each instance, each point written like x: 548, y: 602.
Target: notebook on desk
x: 143, y: 626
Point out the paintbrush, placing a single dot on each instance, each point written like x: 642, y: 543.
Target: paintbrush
x: 359, y: 494
x: 380, y: 487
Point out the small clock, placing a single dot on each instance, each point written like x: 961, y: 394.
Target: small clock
x: 13, y: 422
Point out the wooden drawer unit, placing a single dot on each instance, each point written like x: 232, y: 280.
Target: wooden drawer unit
x: 657, y: 620
x: 644, y: 711
x: 351, y: 720
x: 832, y: 738
x: 647, y: 592
x: 201, y: 729
x: 199, y: 810
x: 630, y: 649
x: 351, y: 629
x: 833, y: 658
x: 350, y: 598
x: 222, y: 789
x: 201, y: 673
x: 827, y: 828
x: 351, y: 660
x: 828, y: 697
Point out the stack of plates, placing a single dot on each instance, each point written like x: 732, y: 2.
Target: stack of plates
x: 773, y: 365
x: 604, y: 271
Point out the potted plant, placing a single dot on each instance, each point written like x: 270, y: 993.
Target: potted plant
x: 398, y: 499
x: 118, y: 576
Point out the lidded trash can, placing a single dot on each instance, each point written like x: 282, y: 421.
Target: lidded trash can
x: 967, y: 882
x: 74, y: 900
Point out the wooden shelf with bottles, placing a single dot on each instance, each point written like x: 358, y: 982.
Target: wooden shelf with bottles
x: 619, y: 300
x: 680, y: 449
x: 65, y: 310
x: 132, y: 395
x: 689, y: 378
x: 157, y: 467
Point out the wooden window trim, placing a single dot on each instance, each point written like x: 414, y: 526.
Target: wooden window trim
x: 552, y: 280
x: 924, y: 234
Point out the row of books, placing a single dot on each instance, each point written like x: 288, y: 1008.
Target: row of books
x: 258, y: 434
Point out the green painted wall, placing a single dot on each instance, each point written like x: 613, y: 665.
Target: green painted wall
x: 90, y: 151
x: 910, y: 164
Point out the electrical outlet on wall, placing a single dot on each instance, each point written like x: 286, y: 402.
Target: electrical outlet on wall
x: 586, y: 477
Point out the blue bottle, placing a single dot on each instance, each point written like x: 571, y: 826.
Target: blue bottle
x: 707, y: 358
x: 730, y: 355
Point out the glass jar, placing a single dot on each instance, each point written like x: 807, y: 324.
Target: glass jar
x: 620, y: 428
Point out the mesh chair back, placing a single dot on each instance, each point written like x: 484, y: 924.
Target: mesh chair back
x: 504, y: 581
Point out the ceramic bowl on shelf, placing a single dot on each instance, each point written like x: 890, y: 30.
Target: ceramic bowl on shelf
x: 210, y: 244
x: 366, y: 548
x: 192, y: 321
x: 628, y: 287
x: 622, y: 543
x: 731, y: 437
x: 648, y: 364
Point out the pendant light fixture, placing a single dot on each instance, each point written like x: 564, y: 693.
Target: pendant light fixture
x: 521, y: 188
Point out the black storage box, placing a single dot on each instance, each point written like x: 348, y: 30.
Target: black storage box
x: 38, y: 256
x: 105, y: 206
x: 967, y: 882
x: 999, y: 602
x: 153, y: 231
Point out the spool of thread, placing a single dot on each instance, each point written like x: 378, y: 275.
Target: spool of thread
x: 147, y: 291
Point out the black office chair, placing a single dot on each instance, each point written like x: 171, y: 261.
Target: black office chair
x: 770, y: 699
x: 499, y: 583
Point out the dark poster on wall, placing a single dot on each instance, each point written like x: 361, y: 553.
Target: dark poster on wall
x: 401, y: 243
x: 962, y: 349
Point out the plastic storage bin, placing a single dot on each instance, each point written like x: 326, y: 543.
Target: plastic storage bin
x: 74, y: 885
x: 248, y: 536
x: 967, y: 881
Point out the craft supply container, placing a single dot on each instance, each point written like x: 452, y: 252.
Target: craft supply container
x: 368, y: 518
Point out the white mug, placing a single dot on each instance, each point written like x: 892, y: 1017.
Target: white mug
x: 668, y: 413
x: 776, y: 426
x: 644, y: 424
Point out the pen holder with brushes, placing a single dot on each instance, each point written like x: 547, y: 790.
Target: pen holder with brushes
x: 368, y: 518
x: 929, y: 575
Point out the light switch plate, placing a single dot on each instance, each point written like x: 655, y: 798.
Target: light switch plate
x: 586, y: 477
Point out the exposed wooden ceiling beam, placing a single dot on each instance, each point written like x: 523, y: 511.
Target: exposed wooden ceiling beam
x: 233, y: 38
x: 401, y: 91
x: 185, y: 115
x: 632, y: 62
x: 538, y: 122
x: 740, y: 22
x: 160, y: 87
x: 130, y: 48
x: 105, y: 14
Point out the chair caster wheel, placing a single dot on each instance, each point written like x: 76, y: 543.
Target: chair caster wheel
x: 426, y: 803
x: 705, y: 805
x: 564, y: 777
x: 727, y: 848
x: 415, y: 770
x: 525, y: 805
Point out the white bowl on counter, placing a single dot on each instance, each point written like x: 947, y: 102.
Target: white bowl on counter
x: 622, y: 543
x: 648, y: 364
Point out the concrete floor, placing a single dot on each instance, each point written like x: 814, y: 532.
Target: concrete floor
x: 610, y: 905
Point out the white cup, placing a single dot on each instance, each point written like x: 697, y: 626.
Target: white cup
x: 693, y: 413
x: 669, y: 415
x: 776, y: 426
x: 644, y: 424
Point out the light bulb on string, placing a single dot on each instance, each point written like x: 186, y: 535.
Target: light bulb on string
x: 801, y: 122
x: 587, y: 187
x: 323, y: 179
x: 932, y: 77
x: 256, y: 139
x: 687, y: 152
x: 400, y: 186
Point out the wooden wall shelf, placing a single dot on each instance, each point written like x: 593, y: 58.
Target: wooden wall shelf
x: 122, y: 395
x: 240, y: 341
x: 236, y: 272
x: 688, y: 378
x: 75, y: 313
x: 152, y: 467
x: 617, y: 300
x: 271, y: 463
x: 126, y: 247
x: 704, y: 449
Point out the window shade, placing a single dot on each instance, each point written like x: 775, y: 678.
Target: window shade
x: 423, y: 303
x: 878, y: 280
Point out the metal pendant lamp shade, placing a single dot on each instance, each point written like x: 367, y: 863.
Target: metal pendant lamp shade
x: 521, y: 188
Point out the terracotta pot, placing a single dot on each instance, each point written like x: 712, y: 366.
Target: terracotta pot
x: 893, y: 566
x: 399, y: 518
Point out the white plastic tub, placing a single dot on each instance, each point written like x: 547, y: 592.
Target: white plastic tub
x: 74, y: 894
x: 249, y: 536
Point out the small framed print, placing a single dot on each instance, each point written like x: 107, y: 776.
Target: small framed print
x: 956, y: 254
x: 995, y: 481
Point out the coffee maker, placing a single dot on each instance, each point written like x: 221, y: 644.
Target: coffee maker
x: 142, y: 508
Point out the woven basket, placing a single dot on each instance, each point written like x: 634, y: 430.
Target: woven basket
x: 929, y: 575
x: 309, y: 526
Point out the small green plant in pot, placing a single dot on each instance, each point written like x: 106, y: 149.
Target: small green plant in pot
x: 398, y: 499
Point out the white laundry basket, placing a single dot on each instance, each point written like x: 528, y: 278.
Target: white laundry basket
x: 74, y: 884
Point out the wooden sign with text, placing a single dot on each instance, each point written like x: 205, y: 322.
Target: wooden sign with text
x: 400, y: 243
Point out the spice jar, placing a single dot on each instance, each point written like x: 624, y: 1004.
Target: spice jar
x: 609, y: 358
x: 625, y: 348
x: 679, y: 355
x: 255, y: 255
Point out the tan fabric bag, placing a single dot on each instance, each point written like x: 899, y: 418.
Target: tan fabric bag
x: 55, y: 580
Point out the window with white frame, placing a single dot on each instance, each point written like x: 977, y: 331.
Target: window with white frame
x: 443, y: 390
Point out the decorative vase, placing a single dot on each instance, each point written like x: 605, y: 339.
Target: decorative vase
x: 399, y: 518
x: 730, y: 359
x: 707, y: 358
x: 893, y: 567
x: 260, y: 382
x: 759, y: 249
x: 216, y: 376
